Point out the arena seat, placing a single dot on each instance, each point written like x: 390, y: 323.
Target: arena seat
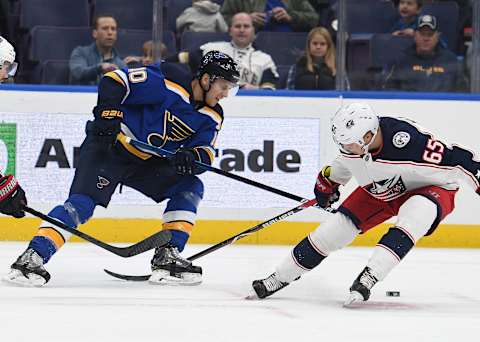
x: 130, y: 42
x: 55, y: 72
x: 283, y: 75
x: 54, y: 42
x: 284, y: 47
x: 54, y: 13
x: 128, y: 14
x: 369, y: 16
x: 190, y: 41
x: 386, y: 48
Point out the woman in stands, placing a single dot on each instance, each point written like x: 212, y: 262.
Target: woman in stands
x: 315, y: 70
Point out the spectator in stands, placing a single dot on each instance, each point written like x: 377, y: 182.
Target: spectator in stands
x: 274, y: 15
x: 257, y: 69
x: 89, y: 63
x: 203, y: 16
x: 316, y: 69
x: 426, y: 65
x: 147, y: 55
x: 406, y: 24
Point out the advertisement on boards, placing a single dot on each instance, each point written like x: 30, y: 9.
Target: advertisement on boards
x: 42, y: 151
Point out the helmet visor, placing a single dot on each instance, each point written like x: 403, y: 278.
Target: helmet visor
x: 226, y: 85
x: 11, y: 68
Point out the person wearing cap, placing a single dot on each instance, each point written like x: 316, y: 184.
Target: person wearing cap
x: 426, y: 65
x: 12, y: 196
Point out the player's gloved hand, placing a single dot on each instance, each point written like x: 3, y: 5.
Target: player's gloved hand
x: 326, y: 191
x: 184, y: 161
x: 106, y: 125
x: 12, y: 197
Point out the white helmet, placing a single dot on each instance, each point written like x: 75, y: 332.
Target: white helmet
x: 7, y: 54
x: 350, y: 124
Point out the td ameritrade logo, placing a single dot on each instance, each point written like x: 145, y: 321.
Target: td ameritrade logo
x: 8, y: 147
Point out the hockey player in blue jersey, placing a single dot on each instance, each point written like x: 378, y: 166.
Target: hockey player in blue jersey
x: 402, y: 171
x: 162, y: 105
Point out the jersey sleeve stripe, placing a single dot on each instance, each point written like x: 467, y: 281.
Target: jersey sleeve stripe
x: 178, y: 89
x: 120, y: 77
x: 122, y: 139
x: 206, y: 153
x: 212, y: 114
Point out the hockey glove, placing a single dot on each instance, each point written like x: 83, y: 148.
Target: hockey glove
x: 106, y: 125
x: 326, y: 191
x: 184, y: 161
x: 12, y: 197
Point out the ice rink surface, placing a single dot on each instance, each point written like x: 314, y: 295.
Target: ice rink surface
x: 440, y: 299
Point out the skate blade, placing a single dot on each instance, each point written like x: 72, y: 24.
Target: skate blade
x: 252, y: 295
x: 353, y: 299
x: 164, y: 278
x: 16, y: 278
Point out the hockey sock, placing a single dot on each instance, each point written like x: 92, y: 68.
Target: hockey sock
x: 390, y: 250
x: 180, y: 233
x: 304, y: 257
x: 76, y: 210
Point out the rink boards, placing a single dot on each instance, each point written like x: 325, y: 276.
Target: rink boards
x: 275, y: 138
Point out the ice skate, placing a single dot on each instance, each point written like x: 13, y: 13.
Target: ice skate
x: 28, y: 270
x: 169, y: 268
x: 360, y: 289
x: 268, y: 286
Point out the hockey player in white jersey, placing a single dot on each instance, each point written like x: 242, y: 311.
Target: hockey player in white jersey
x: 12, y: 196
x: 8, y: 66
x: 401, y: 171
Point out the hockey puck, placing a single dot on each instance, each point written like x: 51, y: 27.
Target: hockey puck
x: 393, y: 293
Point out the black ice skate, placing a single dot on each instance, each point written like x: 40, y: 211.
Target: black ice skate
x: 28, y: 270
x: 360, y: 289
x: 169, y: 268
x: 268, y: 286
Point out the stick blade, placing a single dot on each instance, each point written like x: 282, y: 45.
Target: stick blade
x: 127, y: 277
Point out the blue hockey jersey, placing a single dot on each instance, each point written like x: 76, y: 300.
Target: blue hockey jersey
x: 159, y: 108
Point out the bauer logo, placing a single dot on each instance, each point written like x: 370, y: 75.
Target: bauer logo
x: 8, y: 147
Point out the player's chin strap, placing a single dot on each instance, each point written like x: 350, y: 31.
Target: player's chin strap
x: 211, y: 80
x: 365, y: 148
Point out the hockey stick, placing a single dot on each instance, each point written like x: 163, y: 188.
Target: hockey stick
x: 158, y: 239
x: 163, y: 153
x: 229, y: 241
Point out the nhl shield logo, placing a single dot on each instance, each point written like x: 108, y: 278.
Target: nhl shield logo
x: 401, y: 139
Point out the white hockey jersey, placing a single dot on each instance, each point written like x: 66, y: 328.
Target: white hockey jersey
x: 256, y: 67
x: 409, y: 159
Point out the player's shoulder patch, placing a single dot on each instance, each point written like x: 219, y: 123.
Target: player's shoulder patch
x: 401, y: 139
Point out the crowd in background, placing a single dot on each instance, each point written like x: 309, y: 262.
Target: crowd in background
x: 423, y: 58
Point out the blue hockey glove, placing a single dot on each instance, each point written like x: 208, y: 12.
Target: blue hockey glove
x: 326, y: 191
x: 184, y: 161
x: 12, y: 197
x: 106, y: 125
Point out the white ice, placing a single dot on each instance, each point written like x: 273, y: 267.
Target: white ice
x: 439, y: 300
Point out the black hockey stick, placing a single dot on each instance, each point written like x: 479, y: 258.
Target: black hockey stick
x: 163, y: 153
x: 229, y: 241
x: 156, y: 240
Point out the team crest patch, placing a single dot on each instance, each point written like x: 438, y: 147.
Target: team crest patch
x: 401, y: 139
